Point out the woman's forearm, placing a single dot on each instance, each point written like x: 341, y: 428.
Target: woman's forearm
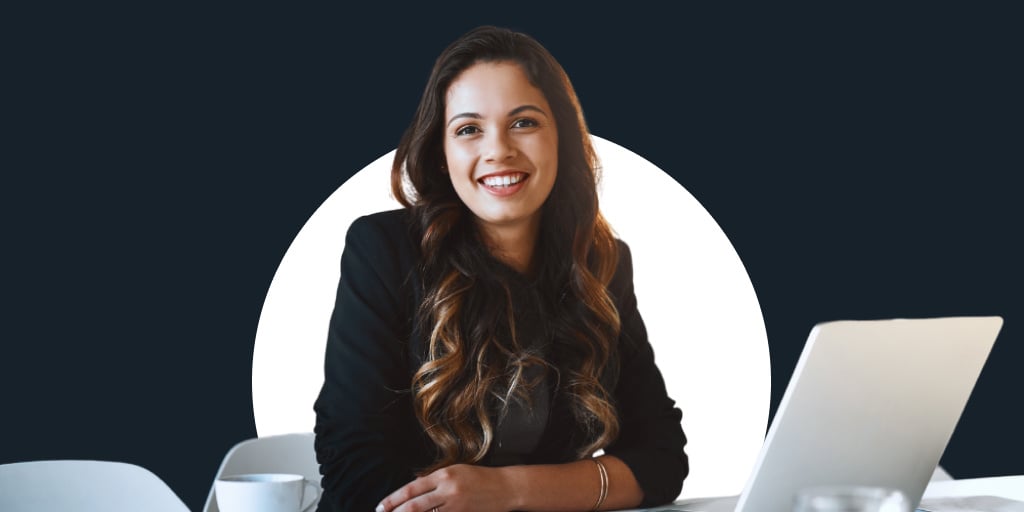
x: 572, y: 486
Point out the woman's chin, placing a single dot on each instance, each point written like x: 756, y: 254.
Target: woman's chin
x: 505, y: 219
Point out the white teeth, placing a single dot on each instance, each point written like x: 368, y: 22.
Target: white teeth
x: 503, y: 181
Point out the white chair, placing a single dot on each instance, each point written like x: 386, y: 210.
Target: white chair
x: 84, y: 486
x: 287, y: 453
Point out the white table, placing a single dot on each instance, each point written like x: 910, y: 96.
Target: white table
x: 1011, y: 487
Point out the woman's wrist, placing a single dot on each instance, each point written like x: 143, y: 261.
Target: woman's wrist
x: 570, y: 486
x: 513, y: 482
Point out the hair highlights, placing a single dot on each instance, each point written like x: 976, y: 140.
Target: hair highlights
x: 470, y: 369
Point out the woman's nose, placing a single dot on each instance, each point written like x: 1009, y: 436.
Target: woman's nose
x: 499, y: 147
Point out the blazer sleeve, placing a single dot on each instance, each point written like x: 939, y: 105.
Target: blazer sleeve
x: 363, y: 410
x: 651, y: 439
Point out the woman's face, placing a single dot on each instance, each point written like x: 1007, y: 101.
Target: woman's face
x: 501, y: 144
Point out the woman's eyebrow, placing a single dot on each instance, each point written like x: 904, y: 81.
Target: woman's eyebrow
x: 471, y: 115
x: 518, y: 110
x: 524, y: 108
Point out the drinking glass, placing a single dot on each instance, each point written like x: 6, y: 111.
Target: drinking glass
x: 848, y: 498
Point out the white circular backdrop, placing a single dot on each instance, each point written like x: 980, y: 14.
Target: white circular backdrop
x: 700, y: 309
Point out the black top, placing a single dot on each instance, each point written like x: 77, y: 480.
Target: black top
x: 368, y: 441
x: 519, y: 430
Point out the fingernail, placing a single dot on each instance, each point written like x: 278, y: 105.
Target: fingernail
x: 380, y: 508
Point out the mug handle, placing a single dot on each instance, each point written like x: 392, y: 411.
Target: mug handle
x: 316, y: 487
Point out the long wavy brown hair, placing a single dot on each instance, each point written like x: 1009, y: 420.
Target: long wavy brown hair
x: 473, y: 361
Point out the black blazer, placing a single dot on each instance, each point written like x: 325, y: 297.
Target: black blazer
x: 368, y: 441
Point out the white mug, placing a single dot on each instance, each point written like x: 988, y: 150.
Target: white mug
x: 264, y: 492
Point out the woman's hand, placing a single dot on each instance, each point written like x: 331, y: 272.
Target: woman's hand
x: 457, y: 488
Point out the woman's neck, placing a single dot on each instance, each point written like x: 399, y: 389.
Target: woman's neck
x: 513, y: 244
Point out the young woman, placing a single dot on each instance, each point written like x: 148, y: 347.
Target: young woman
x: 485, y: 341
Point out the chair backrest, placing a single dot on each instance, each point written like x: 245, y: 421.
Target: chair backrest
x: 287, y: 453
x: 84, y: 486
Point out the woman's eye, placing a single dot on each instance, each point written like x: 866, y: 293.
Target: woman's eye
x: 467, y: 130
x: 524, y: 123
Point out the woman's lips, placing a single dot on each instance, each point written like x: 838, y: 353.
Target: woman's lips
x: 504, y: 184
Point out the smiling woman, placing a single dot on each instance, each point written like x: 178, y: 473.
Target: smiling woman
x: 485, y: 342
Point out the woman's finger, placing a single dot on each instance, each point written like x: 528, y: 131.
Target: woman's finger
x: 406, y: 493
x: 422, y: 503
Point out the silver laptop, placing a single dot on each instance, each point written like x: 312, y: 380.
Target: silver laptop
x: 870, y: 403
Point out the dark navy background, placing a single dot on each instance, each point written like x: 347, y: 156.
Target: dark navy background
x: 160, y: 160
